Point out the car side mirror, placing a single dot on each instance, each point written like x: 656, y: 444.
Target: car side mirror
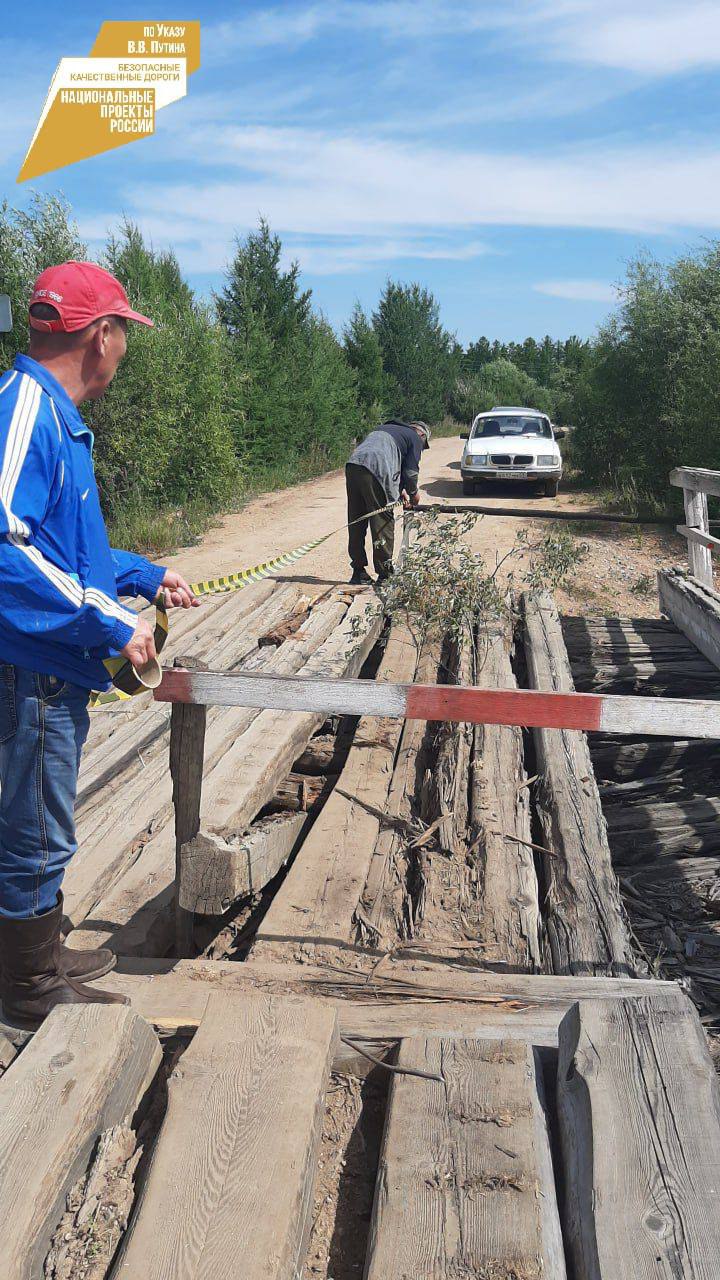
x: 6, y: 322
x: 464, y: 435
x: 560, y: 433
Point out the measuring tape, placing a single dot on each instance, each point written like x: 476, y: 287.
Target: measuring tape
x: 121, y: 671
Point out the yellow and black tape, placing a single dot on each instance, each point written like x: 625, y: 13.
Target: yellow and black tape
x: 236, y: 581
x: 122, y: 673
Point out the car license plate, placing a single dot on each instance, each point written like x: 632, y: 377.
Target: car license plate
x: 512, y: 475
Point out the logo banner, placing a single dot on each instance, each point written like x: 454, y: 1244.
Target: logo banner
x: 110, y: 98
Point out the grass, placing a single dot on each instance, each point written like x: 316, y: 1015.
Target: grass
x: 448, y: 427
x: 156, y: 529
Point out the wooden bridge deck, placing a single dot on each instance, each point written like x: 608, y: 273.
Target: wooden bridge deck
x: 472, y: 905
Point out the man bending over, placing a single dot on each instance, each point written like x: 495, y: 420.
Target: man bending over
x: 384, y: 468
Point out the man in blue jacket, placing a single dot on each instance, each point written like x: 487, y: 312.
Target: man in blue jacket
x: 60, y: 616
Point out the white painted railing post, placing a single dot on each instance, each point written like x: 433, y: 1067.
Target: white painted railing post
x: 696, y: 517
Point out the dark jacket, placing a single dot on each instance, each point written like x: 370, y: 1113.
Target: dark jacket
x: 392, y: 453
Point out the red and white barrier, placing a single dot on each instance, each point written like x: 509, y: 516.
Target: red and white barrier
x: 671, y: 717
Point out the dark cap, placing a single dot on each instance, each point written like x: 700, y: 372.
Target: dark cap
x: 419, y: 425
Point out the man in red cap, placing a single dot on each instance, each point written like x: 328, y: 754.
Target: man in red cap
x: 60, y: 617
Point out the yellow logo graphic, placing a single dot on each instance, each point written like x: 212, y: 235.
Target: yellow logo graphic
x: 95, y: 104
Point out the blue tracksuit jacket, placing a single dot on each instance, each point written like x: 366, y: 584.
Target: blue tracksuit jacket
x: 59, y: 579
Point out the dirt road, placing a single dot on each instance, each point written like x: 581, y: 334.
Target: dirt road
x: 617, y: 574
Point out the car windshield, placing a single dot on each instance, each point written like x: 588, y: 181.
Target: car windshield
x: 511, y: 425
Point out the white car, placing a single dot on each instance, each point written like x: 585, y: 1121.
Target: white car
x: 511, y: 444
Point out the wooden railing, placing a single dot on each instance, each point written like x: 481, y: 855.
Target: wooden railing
x: 696, y: 483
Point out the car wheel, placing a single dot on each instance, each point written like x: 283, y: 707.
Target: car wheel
x: 551, y: 488
x: 468, y: 488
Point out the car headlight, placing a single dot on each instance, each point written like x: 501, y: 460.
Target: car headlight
x: 546, y: 460
x: 478, y: 458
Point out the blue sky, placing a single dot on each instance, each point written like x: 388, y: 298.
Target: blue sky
x: 511, y: 155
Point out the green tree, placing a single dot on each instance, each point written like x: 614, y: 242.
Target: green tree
x: 527, y: 358
x: 257, y: 288
x: 500, y: 382
x: 420, y: 358
x: 163, y: 427
x: 546, y: 361
x: 363, y: 354
x: 30, y: 240
x: 296, y: 390
x: 648, y: 398
x: 476, y: 356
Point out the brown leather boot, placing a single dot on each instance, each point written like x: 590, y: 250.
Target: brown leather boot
x: 84, y: 966
x: 34, y: 980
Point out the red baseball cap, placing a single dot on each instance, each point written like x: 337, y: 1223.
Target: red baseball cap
x: 80, y: 292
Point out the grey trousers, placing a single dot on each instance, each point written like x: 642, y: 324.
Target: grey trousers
x: 364, y: 494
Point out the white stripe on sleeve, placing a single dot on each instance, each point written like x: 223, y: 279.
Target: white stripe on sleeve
x: 54, y: 414
x: 72, y: 590
x: 16, y: 447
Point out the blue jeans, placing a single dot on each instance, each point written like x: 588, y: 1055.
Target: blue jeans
x: 43, y: 726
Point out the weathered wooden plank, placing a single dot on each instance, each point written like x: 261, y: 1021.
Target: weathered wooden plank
x: 629, y: 761
x: 655, y: 872
x: 415, y: 997
x: 126, y: 915
x: 695, y: 610
x: 508, y: 907
x: 110, y: 835
x: 84, y: 1071
x: 320, y: 755
x: 653, y: 815
x: 288, y: 626
x: 224, y: 629
x: 8, y: 1052
x: 232, y: 1174
x: 641, y: 833
x: 320, y: 895
x: 384, y: 911
x: 699, y: 478
x: 700, y: 538
x: 584, y: 917
x: 639, y: 1111
x: 465, y: 1185
x: 216, y: 873
x: 691, y: 717
x: 445, y: 791
x: 298, y: 794
x: 187, y: 765
x: 696, y: 516
x: 275, y: 738
x: 623, y: 656
x: 679, y: 787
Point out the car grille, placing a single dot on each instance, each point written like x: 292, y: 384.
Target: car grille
x: 511, y: 460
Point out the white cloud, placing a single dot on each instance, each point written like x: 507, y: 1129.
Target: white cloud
x: 311, y: 182
x: 655, y: 37
x: 23, y: 86
x: 203, y: 250
x: 339, y: 259
x: 278, y: 26
x: 578, y: 290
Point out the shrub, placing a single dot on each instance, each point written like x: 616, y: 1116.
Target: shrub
x: 649, y: 399
x: 499, y: 382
